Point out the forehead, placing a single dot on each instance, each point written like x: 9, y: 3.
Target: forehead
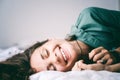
x: 55, y: 41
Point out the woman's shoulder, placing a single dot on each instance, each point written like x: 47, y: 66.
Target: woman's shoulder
x: 97, y: 9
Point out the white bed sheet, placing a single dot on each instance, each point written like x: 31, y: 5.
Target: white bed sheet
x: 76, y: 75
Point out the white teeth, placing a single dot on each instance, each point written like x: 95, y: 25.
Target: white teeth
x: 63, y: 55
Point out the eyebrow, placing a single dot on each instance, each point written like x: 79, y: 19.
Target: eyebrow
x: 41, y: 55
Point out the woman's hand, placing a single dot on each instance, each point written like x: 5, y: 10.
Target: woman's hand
x: 101, y: 55
x: 79, y: 65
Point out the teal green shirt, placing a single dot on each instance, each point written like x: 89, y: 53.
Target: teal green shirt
x: 98, y: 27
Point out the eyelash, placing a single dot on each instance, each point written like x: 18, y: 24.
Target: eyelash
x: 44, y: 54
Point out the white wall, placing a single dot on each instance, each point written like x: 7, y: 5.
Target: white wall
x: 119, y: 4
x: 28, y: 20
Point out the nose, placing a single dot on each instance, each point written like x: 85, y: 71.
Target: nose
x: 56, y: 57
x: 53, y: 58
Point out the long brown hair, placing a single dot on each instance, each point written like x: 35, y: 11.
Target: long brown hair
x: 18, y: 66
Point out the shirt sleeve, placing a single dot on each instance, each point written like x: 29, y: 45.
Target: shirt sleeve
x: 98, y: 27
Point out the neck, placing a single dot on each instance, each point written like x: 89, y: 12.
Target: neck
x: 84, y: 48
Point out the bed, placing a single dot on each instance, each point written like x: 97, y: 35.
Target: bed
x: 56, y: 75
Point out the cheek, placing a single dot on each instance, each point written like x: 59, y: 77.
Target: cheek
x: 73, y: 53
x: 35, y: 61
x: 63, y: 68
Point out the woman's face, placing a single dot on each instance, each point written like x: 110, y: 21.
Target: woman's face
x: 56, y: 54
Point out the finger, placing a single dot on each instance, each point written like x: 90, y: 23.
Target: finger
x: 94, y: 52
x: 109, y: 62
x: 106, y: 60
x: 83, y: 66
x: 98, y: 56
x: 75, y: 67
x: 102, y: 61
x: 79, y: 63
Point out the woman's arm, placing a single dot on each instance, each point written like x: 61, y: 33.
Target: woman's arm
x: 97, y: 66
x: 98, y: 54
x: 113, y: 68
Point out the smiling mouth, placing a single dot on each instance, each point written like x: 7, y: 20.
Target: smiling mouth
x: 65, y: 56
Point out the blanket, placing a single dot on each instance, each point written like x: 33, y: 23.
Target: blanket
x: 76, y: 75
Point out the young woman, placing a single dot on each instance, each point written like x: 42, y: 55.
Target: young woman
x: 94, y: 43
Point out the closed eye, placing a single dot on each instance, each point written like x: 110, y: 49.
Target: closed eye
x: 44, y: 53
